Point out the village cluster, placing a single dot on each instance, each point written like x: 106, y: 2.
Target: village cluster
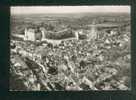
x: 95, y: 63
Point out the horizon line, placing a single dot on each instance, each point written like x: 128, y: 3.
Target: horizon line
x: 68, y: 9
x: 69, y: 13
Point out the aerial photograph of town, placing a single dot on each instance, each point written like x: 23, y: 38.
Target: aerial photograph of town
x: 70, y: 48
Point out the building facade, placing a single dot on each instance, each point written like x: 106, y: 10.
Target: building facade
x: 32, y: 34
x: 29, y: 34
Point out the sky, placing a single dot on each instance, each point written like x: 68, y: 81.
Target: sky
x: 67, y: 9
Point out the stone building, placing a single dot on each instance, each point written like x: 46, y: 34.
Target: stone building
x: 33, y: 34
x: 93, y: 34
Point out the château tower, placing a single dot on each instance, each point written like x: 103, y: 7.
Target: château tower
x: 93, y: 31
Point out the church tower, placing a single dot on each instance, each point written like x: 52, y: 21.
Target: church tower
x: 93, y: 32
x: 25, y: 36
x: 43, y: 30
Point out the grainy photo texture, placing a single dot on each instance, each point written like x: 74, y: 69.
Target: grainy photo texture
x: 70, y: 48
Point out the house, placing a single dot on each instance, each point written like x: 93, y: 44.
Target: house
x: 113, y: 32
